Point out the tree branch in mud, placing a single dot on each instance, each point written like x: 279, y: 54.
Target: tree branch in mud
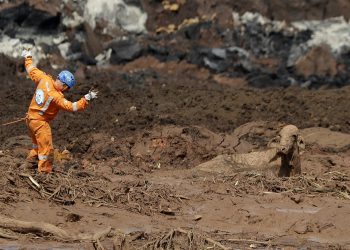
x: 265, y: 243
x: 43, y: 228
x: 5, y: 235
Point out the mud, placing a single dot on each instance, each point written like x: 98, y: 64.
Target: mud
x: 135, y: 152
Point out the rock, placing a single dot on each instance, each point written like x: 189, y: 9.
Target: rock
x: 318, y: 61
x: 219, y: 53
x: 93, y: 44
x: 116, y: 13
x: 124, y: 51
x: 193, y: 32
x: 39, y: 15
x: 218, y: 66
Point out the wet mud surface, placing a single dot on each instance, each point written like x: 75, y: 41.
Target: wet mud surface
x: 135, y: 152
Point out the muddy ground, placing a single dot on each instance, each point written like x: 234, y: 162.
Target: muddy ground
x: 135, y: 152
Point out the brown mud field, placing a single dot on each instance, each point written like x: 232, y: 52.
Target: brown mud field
x: 139, y: 168
x: 132, y: 169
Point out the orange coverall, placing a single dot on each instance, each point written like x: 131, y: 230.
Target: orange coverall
x: 46, y: 103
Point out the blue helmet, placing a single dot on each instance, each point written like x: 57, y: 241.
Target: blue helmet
x: 67, y: 78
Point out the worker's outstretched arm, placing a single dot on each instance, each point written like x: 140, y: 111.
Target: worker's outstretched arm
x: 66, y: 105
x: 35, y: 74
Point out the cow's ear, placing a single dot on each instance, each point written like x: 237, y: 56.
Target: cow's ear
x: 301, y: 142
x: 274, y: 142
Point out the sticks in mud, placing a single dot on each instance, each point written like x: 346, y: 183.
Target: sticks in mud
x: 42, y: 228
x: 166, y: 241
x: 67, y: 187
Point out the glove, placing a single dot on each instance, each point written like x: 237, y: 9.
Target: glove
x: 91, y: 95
x: 26, y: 53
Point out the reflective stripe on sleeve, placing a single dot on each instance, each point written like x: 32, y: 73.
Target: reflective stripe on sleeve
x: 43, y: 157
x: 46, y: 106
x: 30, y: 68
x: 75, y: 106
x: 47, y: 86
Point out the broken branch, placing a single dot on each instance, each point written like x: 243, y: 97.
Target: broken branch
x: 46, y: 228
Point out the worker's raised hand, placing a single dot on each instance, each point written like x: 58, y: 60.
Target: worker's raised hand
x: 26, y: 53
x: 91, y: 95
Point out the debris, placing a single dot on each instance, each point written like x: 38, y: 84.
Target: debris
x: 132, y: 108
x: 171, y: 6
x: 9, y: 177
x: 120, y: 241
x: 253, y: 242
x: 72, y: 21
x: 5, y: 235
x: 116, y: 13
x: 197, y: 218
x: 72, y: 217
x: 302, y: 227
x: 333, y: 31
x: 36, y: 184
x: 167, y: 212
x: 297, y: 198
x: 46, y: 228
x: 124, y: 51
x: 62, y: 157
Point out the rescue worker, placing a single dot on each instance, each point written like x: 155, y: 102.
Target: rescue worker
x: 48, y: 99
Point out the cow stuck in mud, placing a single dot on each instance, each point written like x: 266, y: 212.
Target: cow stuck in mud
x: 282, y: 156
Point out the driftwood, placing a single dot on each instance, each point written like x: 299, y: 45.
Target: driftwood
x: 43, y: 228
x: 5, y: 235
x: 281, y: 157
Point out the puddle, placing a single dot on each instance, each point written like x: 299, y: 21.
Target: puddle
x: 311, y: 210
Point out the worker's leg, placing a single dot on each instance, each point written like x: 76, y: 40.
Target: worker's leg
x: 32, y: 156
x: 45, y: 149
